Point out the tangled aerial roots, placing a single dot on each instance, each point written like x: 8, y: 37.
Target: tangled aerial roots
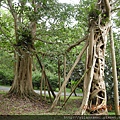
x: 31, y: 96
x: 94, y: 99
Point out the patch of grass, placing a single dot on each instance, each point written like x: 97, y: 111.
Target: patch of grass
x: 111, y: 113
x: 75, y: 97
x: 5, y: 85
x: 2, y: 92
x: 68, y: 90
x: 77, y: 90
x: 70, y: 108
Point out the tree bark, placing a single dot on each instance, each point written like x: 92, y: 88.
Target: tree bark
x: 65, y: 76
x: 22, y: 85
x: 94, y: 99
x: 59, y: 78
x: 114, y: 70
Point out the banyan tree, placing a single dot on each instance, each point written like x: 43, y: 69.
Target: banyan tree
x: 94, y: 95
x: 94, y: 99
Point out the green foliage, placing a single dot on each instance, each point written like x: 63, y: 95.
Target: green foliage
x: 6, y: 30
x: 6, y: 68
x: 53, y: 79
x: 36, y: 77
x: 94, y: 14
x: 73, y: 82
x: 6, y: 78
x: 24, y: 36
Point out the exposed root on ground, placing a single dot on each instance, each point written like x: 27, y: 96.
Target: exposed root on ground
x: 32, y: 96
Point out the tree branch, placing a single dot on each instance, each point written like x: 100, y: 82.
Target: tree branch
x: 77, y: 43
x: 115, y: 9
x: 5, y: 7
x: 33, y: 23
x: 43, y: 70
x: 68, y: 76
x: 6, y: 35
x: 75, y: 88
x: 11, y: 9
x: 114, y: 2
x: 107, y: 6
x: 14, y: 16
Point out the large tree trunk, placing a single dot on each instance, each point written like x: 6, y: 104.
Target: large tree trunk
x: 94, y: 99
x: 25, y: 37
x: 97, y: 98
x: 22, y: 85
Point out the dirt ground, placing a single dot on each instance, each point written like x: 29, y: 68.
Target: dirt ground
x: 15, y: 106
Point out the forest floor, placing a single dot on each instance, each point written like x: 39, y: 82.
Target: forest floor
x: 15, y: 106
x: 24, y: 109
